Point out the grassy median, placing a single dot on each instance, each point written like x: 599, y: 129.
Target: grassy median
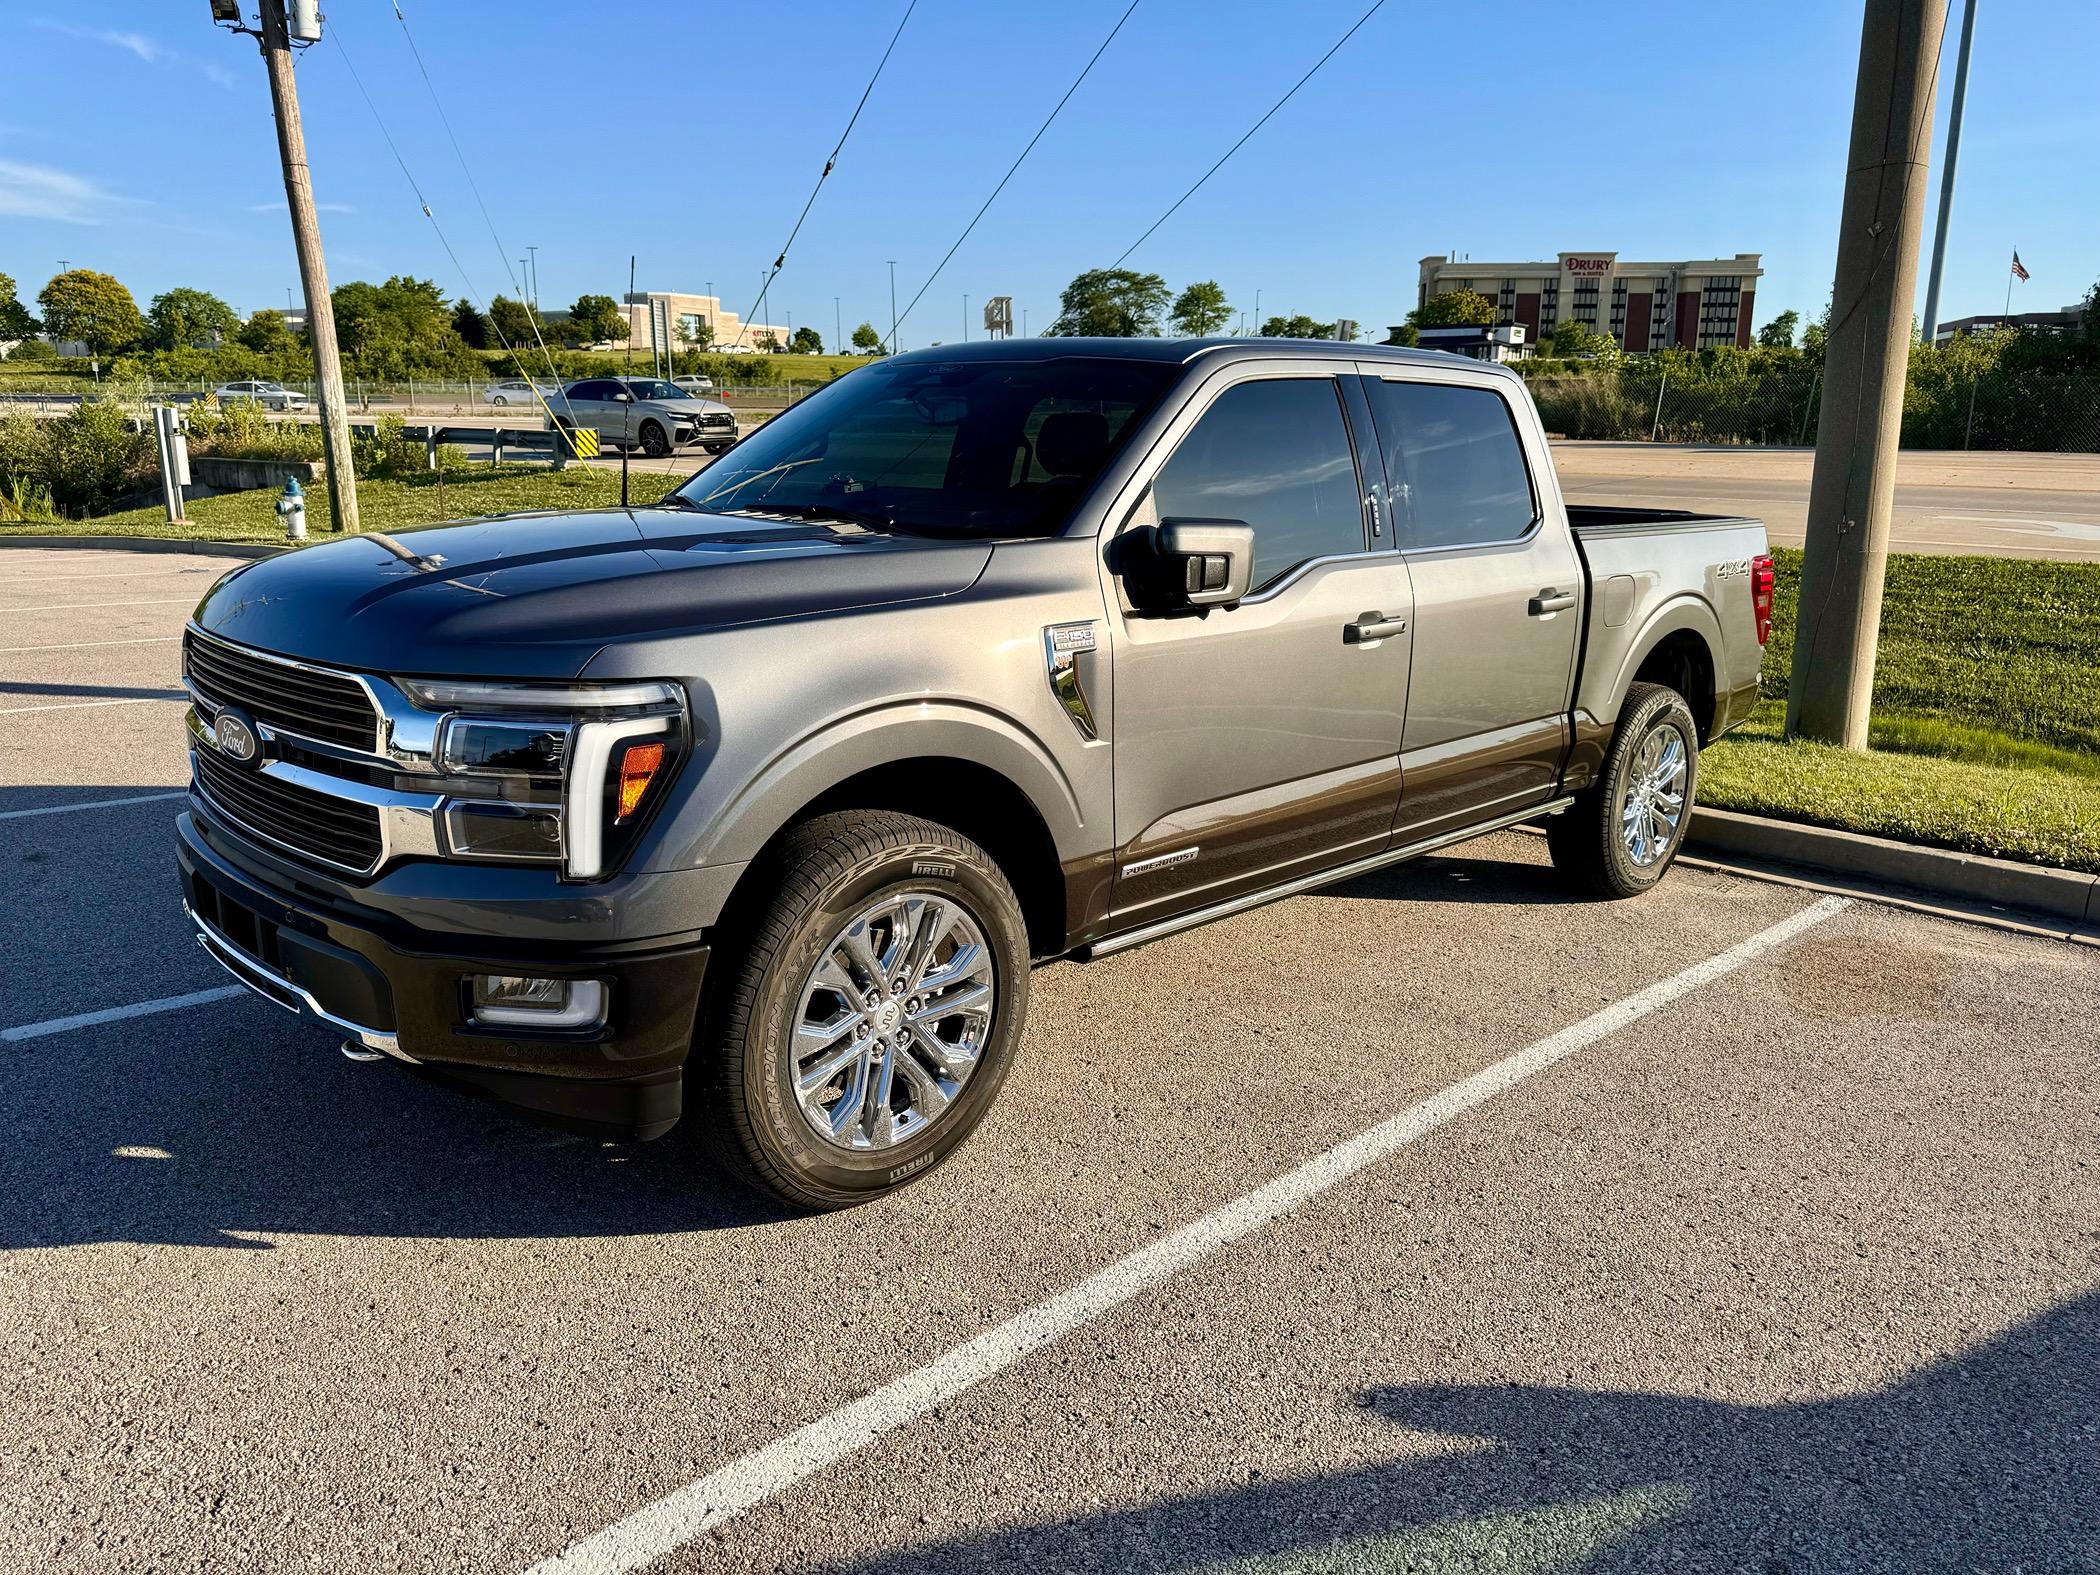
x: 1986, y: 727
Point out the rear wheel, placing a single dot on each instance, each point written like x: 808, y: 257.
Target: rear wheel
x: 654, y: 443
x: 866, y: 1028
x: 498, y: 399
x: 1624, y: 830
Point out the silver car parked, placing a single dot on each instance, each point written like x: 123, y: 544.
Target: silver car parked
x: 646, y: 413
x: 271, y: 396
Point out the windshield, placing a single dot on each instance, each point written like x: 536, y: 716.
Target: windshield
x: 975, y: 448
x: 644, y: 388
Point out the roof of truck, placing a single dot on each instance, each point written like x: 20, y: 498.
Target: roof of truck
x: 1181, y: 350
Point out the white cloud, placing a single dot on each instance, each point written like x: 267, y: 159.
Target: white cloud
x: 37, y: 191
x: 151, y: 51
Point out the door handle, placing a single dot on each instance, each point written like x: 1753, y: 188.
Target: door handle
x: 1371, y: 628
x: 1550, y: 601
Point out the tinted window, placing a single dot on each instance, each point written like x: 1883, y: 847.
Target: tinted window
x: 1275, y: 455
x: 1456, y: 452
x: 979, y: 447
x: 591, y: 390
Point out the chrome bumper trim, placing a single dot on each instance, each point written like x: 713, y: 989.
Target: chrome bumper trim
x: 275, y: 988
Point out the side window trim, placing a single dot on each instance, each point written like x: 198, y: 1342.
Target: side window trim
x: 1397, y: 478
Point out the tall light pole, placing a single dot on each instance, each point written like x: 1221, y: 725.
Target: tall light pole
x: 893, y: 306
x: 1939, y: 232
x: 276, y: 40
x: 838, y: 328
x: 534, y: 275
x: 1853, y: 489
x: 966, y: 317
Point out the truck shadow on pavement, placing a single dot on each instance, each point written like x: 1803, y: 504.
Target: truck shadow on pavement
x: 227, y: 1123
x: 1985, y: 1461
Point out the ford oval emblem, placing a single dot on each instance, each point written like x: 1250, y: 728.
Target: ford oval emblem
x: 235, y: 738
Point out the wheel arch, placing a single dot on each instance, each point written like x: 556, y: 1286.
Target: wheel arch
x: 1677, y: 646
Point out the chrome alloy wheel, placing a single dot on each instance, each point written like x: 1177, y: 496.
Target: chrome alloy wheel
x: 1654, y: 804
x: 891, y: 1021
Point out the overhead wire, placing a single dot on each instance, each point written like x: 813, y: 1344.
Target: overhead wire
x: 780, y: 259
x: 1376, y: 7
x: 336, y: 33
x: 532, y: 315
x: 1009, y: 175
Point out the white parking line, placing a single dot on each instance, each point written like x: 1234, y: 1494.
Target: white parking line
x: 83, y: 705
x: 166, y: 601
x: 115, y: 1014
x: 94, y: 803
x: 689, y: 1512
x: 89, y: 645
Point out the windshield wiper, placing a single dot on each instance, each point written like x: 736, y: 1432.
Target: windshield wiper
x: 883, y: 518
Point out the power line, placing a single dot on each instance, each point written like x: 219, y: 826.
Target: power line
x: 1009, y: 175
x: 780, y: 261
x: 532, y: 314
x: 336, y: 33
x: 1376, y: 7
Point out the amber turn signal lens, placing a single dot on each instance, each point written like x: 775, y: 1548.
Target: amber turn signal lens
x: 638, y: 768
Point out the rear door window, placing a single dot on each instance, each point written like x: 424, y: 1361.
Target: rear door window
x: 1455, y: 464
x: 1273, y: 454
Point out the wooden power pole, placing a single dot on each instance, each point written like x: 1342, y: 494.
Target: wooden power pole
x: 313, y: 268
x: 1838, y: 627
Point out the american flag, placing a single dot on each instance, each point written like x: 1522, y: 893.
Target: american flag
x: 2019, y: 269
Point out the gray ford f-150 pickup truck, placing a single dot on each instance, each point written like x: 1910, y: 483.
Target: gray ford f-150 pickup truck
x: 759, y: 804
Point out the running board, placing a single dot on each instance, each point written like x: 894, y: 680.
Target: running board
x: 1312, y: 882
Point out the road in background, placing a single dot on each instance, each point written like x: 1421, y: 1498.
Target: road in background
x: 1998, y: 505
x: 1798, y: 1271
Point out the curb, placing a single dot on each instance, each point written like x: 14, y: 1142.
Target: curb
x: 1971, y: 877
x: 215, y: 549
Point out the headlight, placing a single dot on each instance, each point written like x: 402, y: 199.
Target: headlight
x: 567, y: 772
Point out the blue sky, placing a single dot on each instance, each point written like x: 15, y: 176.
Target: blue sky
x: 139, y: 141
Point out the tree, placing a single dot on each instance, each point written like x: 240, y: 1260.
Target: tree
x: 766, y: 340
x: 470, y: 325
x: 181, y: 318
x: 695, y: 332
x: 866, y: 340
x: 1778, y: 334
x: 1298, y: 327
x: 595, y: 318
x: 15, y: 321
x: 93, y: 308
x: 1403, y: 334
x: 266, y: 334
x: 807, y: 341
x: 395, y: 329
x: 1201, y: 309
x: 1454, y: 309
x: 1116, y: 303
x: 511, y: 320
x: 1572, y: 339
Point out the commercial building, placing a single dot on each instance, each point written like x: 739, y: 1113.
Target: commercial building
x: 2068, y: 321
x: 671, y: 320
x: 1642, y: 305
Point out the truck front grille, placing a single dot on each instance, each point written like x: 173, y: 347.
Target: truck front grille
x: 309, y: 701
x: 318, y: 826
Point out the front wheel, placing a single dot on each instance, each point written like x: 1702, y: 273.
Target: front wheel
x: 873, y: 1014
x: 654, y: 443
x: 1624, y: 830
x: 498, y: 399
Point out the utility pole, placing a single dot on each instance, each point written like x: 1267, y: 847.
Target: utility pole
x: 1939, y: 232
x: 534, y: 274
x: 893, y: 306
x: 966, y: 318
x: 1854, y: 484
x: 313, y: 267
x: 838, y: 328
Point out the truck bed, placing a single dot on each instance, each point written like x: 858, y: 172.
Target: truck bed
x: 1592, y: 519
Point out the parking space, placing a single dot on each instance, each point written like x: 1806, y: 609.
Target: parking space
x: 1790, y: 1263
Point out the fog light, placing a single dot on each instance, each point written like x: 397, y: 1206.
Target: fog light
x: 512, y: 1001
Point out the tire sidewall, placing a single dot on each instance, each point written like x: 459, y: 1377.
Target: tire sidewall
x: 778, y: 1124
x: 1657, y: 710
x: 654, y: 441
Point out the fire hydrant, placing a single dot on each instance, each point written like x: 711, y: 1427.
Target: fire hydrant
x: 292, y: 508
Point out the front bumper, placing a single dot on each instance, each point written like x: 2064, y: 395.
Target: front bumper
x: 403, y: 991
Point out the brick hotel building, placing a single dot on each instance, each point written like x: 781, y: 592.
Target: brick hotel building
x: 1642, y: 305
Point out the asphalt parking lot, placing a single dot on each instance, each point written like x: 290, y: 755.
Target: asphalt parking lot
x: 1430, y: 1222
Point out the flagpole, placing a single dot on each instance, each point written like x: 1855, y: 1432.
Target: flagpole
x: 2009, y: 281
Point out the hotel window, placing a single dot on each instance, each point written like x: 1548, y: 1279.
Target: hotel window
x: 1585, y: 309
x: 1719, y: 303
x: 1618, y: 310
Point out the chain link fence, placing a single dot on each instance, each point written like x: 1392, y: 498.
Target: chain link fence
x: 414, y: 397
x: 2039, y: 412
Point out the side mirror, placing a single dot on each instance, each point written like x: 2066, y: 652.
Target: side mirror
x: 1207, y: 563
x: 623, y: 397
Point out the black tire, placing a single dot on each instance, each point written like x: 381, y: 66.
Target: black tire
x: 654, y: 443
x: 498, y: 399
x: 829, y: 870
x: 1587, y: 841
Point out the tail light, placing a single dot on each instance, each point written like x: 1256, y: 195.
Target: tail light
x: 1761, y: 583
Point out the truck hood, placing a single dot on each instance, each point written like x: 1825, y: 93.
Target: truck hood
x: 538, y: 595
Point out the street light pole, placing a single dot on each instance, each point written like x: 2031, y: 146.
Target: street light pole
x: 313, y: 268
x: 838, y: 328
x: 1853, y: 488
x: 1939, y: 232
x: 893, y: 306
x: 534, y: 287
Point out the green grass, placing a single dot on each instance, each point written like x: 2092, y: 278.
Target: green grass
x: 1986, y: 726
x: 423, y: 499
